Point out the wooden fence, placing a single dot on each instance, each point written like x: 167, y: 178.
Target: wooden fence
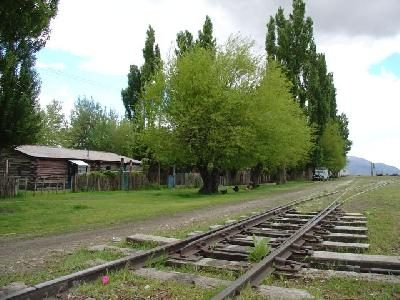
x: 188, y: 179
x: 48, y: 184
x: 109, y: 181
x: 240, y: 178
x: 8, y: 187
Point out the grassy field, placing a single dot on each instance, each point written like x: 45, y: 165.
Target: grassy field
x: 382, y: 208
x: 55, y: 213
x: 60, y: 264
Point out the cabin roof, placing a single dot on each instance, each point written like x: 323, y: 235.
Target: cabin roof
x: 66, y: 153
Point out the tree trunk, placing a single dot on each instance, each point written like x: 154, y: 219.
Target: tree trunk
x: 282, y: 175
x: 255, y: 174
x: 210, y: 180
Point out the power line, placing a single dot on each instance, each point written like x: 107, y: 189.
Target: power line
x: 77, y: 78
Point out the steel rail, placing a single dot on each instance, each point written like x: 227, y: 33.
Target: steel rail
x: 52, y: 287
x: 256, y: 274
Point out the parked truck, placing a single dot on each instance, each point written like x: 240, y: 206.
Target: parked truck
x: 321, y: 174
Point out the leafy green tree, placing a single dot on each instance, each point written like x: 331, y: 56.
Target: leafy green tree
x: 294, y: 44
x: 131, y: 94
x: 54, y: 125
x: 137, y: 78
x: 151, y: 55
x: 184, y: 42
x: 333, y: 146
x: 92, y: 127
x: 206, y: 111
x: 206, y: 39
x: 290, y: 42
x: 343, y: 122
x: 270, y: 41
x: 24, y: 30
x: 284, y: 138
x: 122, y: 140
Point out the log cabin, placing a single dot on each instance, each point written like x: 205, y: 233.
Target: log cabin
x: 35, y: 161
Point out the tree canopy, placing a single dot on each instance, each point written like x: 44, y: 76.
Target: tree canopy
x: 24, y: 30
x: 223, y: 111
x: 54, y: 125
x: 138, y: 77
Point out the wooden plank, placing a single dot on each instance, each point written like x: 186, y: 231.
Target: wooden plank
x: 349, y: 223
x: 344, y: 246
x: 211, y: 263
x: 325, y: 274
x: 353, y: 214
x: 392, y: 262
x: 345, y: 237
x: 269, y: 292
x: 197, y: 280
x: 349, y: 229
x: 292, y: 220
x: 159, y: 240
x: 353, y: 218
x: 298, y: 215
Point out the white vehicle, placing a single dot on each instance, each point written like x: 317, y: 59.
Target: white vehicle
x: 321, y: 174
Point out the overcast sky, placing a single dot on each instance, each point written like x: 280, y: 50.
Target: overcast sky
x: 93, y: 42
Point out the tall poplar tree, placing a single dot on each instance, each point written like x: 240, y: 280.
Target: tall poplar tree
x: 138, y: 77
x: 184, y: 42
x: 206, y: 39
x: 290, y: 42
x: 131, y: 94
x: 24, y: 30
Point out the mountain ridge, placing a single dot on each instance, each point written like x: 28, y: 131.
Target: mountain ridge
x: 361, y: 166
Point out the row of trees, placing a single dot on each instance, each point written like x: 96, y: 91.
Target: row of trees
x: 224, y: 108
x: 290, y: 42
x: 215, y: 108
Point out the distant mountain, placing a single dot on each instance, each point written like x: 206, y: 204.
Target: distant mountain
x: 361, y: 166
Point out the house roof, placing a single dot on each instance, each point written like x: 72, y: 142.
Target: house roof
x: 65, y: 153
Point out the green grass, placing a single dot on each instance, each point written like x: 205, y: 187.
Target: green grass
x: 48, y: 213
x: 126, y: 285
x: 60, y: 265
x: 382, y: 208
x: 340, y: 288
x: 260, y: 249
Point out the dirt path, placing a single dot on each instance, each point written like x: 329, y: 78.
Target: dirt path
x: 15, y: 254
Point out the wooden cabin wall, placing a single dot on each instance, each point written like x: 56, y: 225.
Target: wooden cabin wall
x: 20, y: 165
x: 46, y: 167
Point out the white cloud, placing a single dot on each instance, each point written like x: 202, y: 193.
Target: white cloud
x: 370, y: 101
x: 111, y: 36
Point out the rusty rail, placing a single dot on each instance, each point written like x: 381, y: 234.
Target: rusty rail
x: 256, y: 275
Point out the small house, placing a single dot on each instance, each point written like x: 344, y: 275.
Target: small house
x: 35, y: 161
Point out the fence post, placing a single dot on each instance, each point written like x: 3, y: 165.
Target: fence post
x: 16, y: 187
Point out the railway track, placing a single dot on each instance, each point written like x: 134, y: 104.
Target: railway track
x: 293, y: 237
